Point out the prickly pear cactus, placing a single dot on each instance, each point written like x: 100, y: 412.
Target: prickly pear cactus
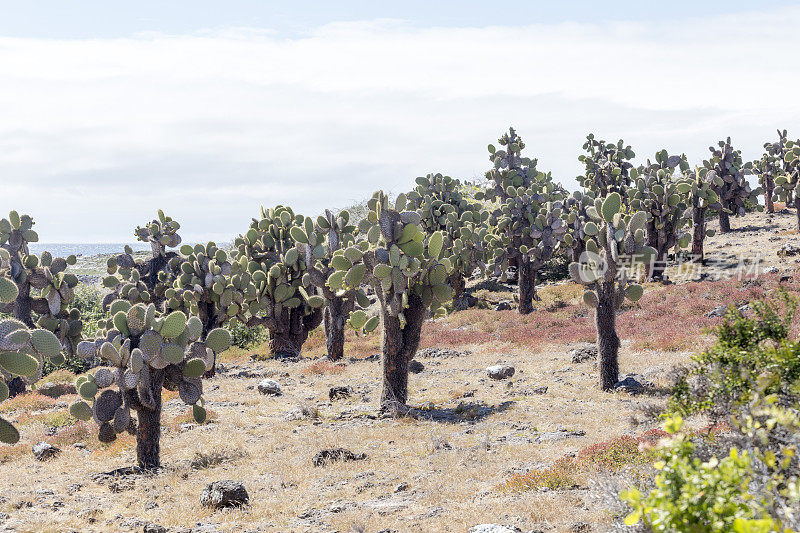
x: 145, y: 352
x: 576, y: 206
x: 529, y: 227
x: 463, y: 223
x: 769, y: 167
x: 787, y: 183
x: 607, y: 167
x: 44, y: 288
x: 408, y: 270
x: 615, y: 243
x: 212, y: 285
x: 285, y: 299
x: 726, y: 172
x: 22, y: 350
x: 656, y: 190
x: 146, y: 281
x: 331, y: 233
x: 161, y: 233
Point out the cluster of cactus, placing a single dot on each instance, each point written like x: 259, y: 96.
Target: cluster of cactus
x: 442, y: 206
x: 614, y: 244
x: 285, y: 299
x: 22, y: 350
x: 161, y: 233
x: 146, y: 281
x: 44, y: 292
x: 657, y: 191
x: 787, y: 183
x: 406, y: 269
x: 607, y: 167
x: 726, y: 172
x: 145, y: 352
x: 530, y: 225
x: 333, y: 232
x: 769, y: 167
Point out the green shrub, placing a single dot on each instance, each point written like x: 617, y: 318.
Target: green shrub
x: 89, y: 301
x: 245, y: 336
x: 747, y: 349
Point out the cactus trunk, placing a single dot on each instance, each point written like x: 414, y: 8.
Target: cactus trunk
x: 797, y: 210
x: 724, y: 222
x: 399, y: 346
x: 607, y: 340
x: 287, y: 339
x: 525, y: 284
x: 336, y: 313
x: 148, y: 431
x: 699, y: 232
x: 769, y: 188
x: 458, y: 283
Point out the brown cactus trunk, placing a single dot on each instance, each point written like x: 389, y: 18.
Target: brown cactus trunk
x: 336, y: 314
x: 399, y: 346
x: 525, y: 284
x: 287, y: 339
x: 148, y: 432
x: 699, y: 234
x: 607, y: 339
x: 458, y: 283
x: 769, y: 187
x: 724, y: 222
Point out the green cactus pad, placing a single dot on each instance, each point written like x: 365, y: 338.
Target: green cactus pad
x: 87, y: 390
x: 358, y: 319
x: 19, y: 364
x: 3, y: 391
x: 8, y: 433
x: 199, y: 414
x: 8, y: 290
x: 45, y: 343
x: 81, y: 410
x: 194, y: 368
x: 219, y: 340
x: 174, y: 324
x: 172, y: 353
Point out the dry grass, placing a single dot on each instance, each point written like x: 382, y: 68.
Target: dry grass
x: 472, y: 435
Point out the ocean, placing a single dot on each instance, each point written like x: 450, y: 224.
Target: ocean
x: 85, y: 249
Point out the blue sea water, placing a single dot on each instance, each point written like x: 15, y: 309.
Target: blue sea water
x: 85, y: 249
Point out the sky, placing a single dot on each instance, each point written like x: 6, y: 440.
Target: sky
x: 208, y: 110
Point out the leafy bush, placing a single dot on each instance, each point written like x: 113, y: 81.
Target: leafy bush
x: 752, y: 488
x: 748, y: 350
x: 245, y: 336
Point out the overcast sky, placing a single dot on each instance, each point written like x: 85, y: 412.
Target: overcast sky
x: 110, y: 112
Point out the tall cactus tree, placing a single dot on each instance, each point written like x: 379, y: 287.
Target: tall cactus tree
x: 22, y: 350
x: 285, y: 299
x: 45, y: 290
x: 787, y: 184
x: 146, y: 281
x: 408, y: 271
x: 330, y: 233
x: 528, y: 228
x: 607, y: 167
x: 655, y: 191
x: 440, y: 202
x: 614, y: 242
x: 769, y: 167
x: 699, y: 188
x: 145, y: 352
x: 726, y: 171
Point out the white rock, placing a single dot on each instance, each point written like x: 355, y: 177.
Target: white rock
x: 269, y: 387
x: 500, y: 371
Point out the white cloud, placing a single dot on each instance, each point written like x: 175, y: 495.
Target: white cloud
x: 98, y: 134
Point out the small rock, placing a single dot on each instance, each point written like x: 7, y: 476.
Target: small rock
x: 340, y: 392
x: 784, y: 279
x: 80, y: 445
x: 331, y: 455
x: 630, y: 385
x: 502, y: 371
x: 539, y: 390
x: 770, y: 270
x: 154, y: 528
x: 788, y: 250
x: 415, y: 367
x: 580, y: 527
x: 583, y: 353
x: 43, y: 451
x: 225, y: 493
x: 464, y: 302
x: 402, y: 487
x: 718, y: 311
x: 270, y: 387
x: 503, y: 306
x: 493, y: 528
x: 54, y: 390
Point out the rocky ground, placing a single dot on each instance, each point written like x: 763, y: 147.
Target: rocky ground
x: 276, y: 427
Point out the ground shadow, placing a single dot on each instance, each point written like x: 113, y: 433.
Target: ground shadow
x: 463, y: 412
